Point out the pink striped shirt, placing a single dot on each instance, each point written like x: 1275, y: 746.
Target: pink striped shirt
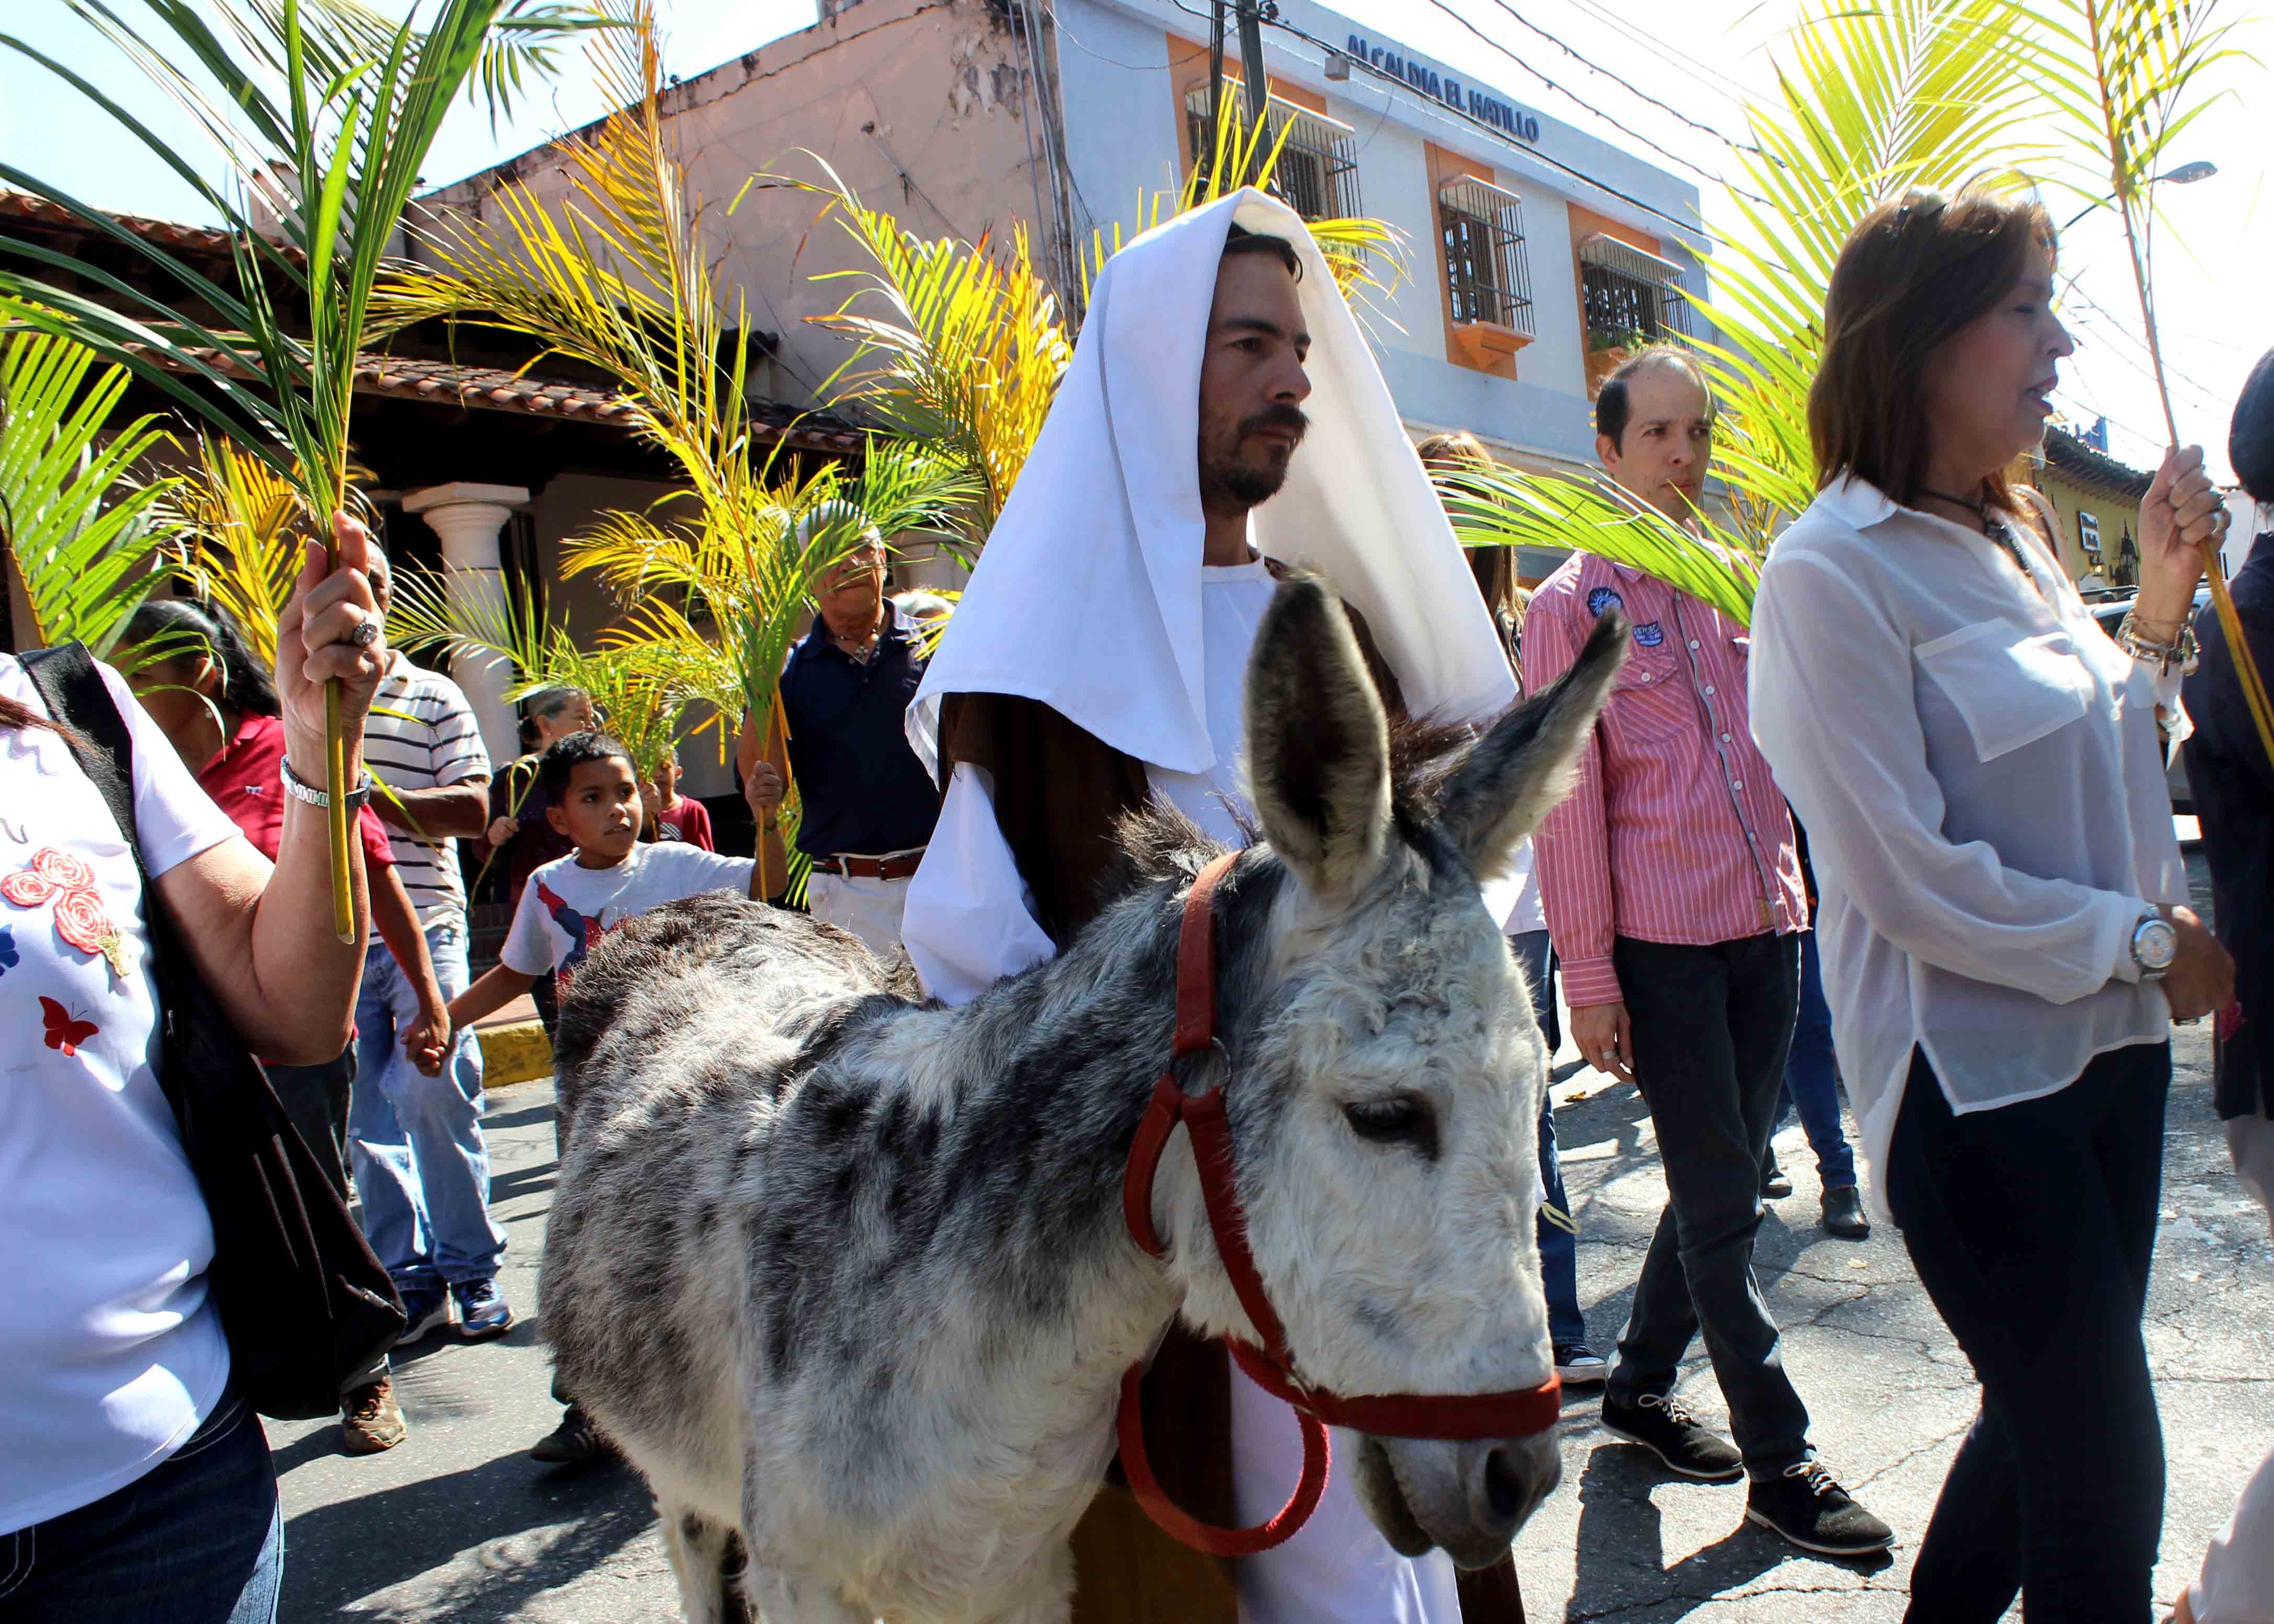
x: 1676, y: 833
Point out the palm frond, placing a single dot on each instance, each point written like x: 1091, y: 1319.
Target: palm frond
x: 2121, y: 75
x: 327, y: 109
x: 85, y: 533
x: 236, y: 539
x: 1503, y: 509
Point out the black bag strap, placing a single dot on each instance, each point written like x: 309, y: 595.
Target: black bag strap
x: 70, y: 684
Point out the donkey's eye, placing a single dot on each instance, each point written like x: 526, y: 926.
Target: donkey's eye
x: 1403, y: 1120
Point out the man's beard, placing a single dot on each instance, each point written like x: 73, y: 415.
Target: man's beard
x: 1226, y: 478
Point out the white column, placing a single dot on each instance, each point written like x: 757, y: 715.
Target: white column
x: 468, y: 518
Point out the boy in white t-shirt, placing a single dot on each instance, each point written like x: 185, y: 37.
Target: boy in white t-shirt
x: 571, y: 903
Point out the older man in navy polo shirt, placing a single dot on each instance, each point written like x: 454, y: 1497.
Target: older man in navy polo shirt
x: 869, y: 804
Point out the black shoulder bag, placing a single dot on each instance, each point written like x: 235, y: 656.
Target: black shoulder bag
x: 303, y: 1301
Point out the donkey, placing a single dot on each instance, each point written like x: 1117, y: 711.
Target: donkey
x: 846, y: 1273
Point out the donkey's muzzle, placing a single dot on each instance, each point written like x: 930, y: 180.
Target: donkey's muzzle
x: 1468, y: 1499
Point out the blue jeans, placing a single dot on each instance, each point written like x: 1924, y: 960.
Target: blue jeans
x: 1811, y: 1077
x: 196, y: 1540
x: 1558, y: 1232
x: 421, y: 1166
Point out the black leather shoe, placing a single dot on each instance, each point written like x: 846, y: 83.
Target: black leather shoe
x: 1666, y: 1428
x: 1810, y: 1509
x: 1843, y: 1213
x: 1775, y: 1185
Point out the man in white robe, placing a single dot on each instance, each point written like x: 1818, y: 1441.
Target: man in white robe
x: 1098, y: 656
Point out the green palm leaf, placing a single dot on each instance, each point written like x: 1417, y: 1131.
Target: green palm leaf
x: 85, y: 534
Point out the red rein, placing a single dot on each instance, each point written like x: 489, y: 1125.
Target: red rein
x: 1271, y: 1367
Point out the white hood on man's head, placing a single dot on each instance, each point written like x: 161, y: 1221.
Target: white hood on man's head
x: 1088, y: 595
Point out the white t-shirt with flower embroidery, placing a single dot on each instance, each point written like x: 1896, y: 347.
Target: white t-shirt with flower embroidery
x: 110, y: 1355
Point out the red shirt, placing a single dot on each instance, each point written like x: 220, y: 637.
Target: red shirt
x: 686, y: 819
x: 1675, y: 831
x: 245, y: 781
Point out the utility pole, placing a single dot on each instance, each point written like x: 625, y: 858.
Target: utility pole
x: 1251, y: 60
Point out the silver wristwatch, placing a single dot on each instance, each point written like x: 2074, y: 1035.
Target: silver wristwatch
x: 2154, y: 944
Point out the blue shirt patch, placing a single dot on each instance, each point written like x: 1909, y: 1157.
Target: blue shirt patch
x: 1604, y: 598
x: 1648, y: 634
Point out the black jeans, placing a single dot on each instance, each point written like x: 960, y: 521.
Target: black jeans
x: 2032, y: 1226
x: 1712, y: 1026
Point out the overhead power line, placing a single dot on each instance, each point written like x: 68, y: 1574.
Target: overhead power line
x: 1695, y: 227
x: 1573, y: 96
x: 1593, y: 67
x: 1705, y: 76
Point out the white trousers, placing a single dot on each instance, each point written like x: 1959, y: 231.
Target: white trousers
x: 2237, y: 1586
x: 1338, y: 1569
x: 869, y: 909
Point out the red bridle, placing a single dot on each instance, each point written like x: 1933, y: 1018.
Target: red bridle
x: 1271, y: 1367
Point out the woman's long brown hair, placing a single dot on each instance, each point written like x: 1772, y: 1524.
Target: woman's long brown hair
x: 1915, y: 271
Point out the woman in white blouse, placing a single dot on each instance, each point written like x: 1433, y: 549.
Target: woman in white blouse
x: 2002, y: 936
x: 134, y: 1483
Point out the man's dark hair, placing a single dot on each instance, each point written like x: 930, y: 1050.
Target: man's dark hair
x: 563, y: 756
x: 1612, y: 407
x: 1240, y: 240
x: 2250, y: 442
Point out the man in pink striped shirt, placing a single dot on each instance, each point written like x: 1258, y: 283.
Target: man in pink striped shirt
x: 1674, y: 896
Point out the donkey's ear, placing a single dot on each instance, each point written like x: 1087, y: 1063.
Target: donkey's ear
x: 1514, y: 776
x: 1318, y: 744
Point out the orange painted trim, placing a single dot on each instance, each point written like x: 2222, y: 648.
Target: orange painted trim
x: 1476, y: 345
x: 1586, y: 222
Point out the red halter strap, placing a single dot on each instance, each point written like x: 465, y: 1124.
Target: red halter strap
x: 1271, y: 1367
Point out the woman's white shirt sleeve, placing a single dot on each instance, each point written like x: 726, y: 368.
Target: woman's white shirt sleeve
x: 1835, y: 713
x: 968, y: 922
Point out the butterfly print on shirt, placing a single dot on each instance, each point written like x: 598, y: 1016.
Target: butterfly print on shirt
x: 64, y: 1033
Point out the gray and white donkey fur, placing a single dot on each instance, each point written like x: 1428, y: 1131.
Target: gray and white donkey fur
x: 845, y: 1272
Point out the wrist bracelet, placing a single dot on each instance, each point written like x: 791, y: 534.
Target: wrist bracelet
x: 2180, y: 651
x: 314, y: 797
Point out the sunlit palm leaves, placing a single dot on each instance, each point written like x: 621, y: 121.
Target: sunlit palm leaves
x: 1870, y: 100
x: 84, y: 532
x: 237, y: 540
x: 1510, y: 509
x: 961, y: 346
x: 2121, y: 74
x: 613, y: 275
x: 326, y: 109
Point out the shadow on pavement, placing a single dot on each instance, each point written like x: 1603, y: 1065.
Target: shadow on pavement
x: 522, y: 1531
x: 1622, y: 1550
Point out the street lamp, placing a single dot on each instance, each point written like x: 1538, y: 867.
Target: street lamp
x: 2186, y: 174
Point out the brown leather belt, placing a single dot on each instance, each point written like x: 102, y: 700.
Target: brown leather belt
x: 901, y: 866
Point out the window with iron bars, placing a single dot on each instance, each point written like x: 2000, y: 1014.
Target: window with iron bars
x: 1317, y: 171
x: 1486, y: 272
x: 1626, y: 292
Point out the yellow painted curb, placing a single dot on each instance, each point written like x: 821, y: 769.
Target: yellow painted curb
x: 519, y: 1053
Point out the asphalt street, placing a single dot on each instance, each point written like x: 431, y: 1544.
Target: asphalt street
x: 458, y: 1523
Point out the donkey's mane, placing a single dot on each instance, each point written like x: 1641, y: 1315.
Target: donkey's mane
x: 1158, y: 841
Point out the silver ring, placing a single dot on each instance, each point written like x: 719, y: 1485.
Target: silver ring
x: 365, y: 633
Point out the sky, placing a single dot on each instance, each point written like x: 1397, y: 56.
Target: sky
x: 1700, y: 58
